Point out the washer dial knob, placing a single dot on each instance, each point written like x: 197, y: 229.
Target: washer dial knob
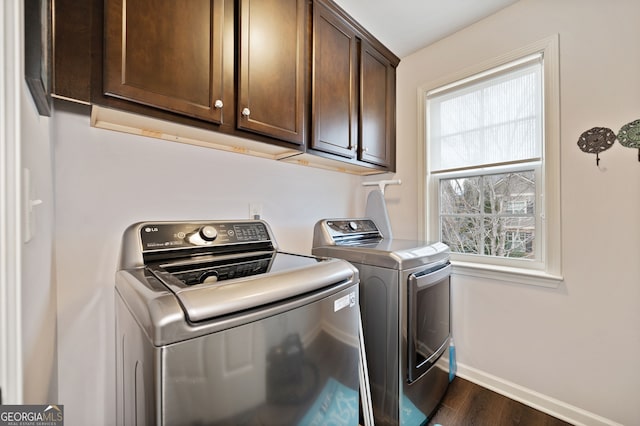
x: 208, y: 233
x: 353, y: 226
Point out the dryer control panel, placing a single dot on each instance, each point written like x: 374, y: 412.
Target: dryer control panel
x: 346, y: 231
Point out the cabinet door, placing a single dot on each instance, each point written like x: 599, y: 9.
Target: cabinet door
x: 166, y: 54
x: 271, y: 86
x: 335, y: 85
x: 377, y: 107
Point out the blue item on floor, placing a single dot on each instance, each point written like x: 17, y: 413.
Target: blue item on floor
x: 453, y: 366
x: 410, y: 415
x: 336, y: 405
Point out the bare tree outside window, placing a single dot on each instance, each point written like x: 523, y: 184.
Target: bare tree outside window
x: 491, y: 215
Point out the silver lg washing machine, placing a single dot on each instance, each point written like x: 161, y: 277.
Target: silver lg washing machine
x: 216, y: 326
x: 405, y: 306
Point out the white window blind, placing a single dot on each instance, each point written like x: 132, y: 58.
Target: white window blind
x: 492, y: 119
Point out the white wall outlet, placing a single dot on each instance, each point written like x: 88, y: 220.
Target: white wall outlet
x: 255, y: 210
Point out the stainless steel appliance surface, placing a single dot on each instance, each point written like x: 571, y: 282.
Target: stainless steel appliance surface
x: 405, y: 305
x: 215, y: 325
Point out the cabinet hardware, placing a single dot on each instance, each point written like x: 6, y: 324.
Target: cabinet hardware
x: 218, y: 104
x: 246, y: 112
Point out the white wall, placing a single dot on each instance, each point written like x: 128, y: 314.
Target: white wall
x: 38, y: 277
x: 578, y: 344
x: 38, y: 286
x: 105, y: 181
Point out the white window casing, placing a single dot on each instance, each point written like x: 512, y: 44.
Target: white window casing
x: 546, y: 269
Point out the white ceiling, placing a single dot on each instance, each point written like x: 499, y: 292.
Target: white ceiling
x: 405, y: 26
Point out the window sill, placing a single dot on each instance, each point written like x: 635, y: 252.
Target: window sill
x: 505, y: 273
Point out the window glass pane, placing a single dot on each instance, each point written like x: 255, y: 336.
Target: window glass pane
x: 461, y: 233
x: 491, y: 215
x: 460, y: 195
x: 510, y: 237
x: 506, y: 191
x: 493, y: 121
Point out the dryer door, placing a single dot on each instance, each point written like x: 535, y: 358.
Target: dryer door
x: 428, y: 319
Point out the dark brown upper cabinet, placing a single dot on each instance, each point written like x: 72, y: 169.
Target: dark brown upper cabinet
x: 353, y: 90
x: 167, y: 54
x: 377, y: 107
x: 72, y: 37
x: 296, y: 80
x: 271, y: 74
x: 335, y: 88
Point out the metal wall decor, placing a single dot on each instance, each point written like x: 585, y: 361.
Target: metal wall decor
x: 629, y: 136
x: 598, y: 139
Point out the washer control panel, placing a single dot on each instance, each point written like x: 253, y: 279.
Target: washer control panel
x: 176, y: 235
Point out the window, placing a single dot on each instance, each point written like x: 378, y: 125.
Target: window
x: 491, y: 164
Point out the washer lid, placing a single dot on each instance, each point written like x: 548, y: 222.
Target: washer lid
x: 286, y: 276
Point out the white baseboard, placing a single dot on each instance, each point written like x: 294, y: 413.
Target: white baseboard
x: 533, y: 399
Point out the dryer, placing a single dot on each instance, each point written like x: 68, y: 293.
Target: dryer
x: 405, y: 307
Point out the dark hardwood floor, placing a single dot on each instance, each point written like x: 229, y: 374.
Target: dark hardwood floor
x: 467, y: 404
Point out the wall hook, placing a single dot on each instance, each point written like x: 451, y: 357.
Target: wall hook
x: 596, y: 140
x: 629, y: 135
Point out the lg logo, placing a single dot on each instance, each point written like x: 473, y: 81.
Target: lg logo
x: 150, y: 229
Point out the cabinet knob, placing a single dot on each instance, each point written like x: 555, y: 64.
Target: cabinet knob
x: 365, y: 149
x: 246, y: 112
x: 218, y: 104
